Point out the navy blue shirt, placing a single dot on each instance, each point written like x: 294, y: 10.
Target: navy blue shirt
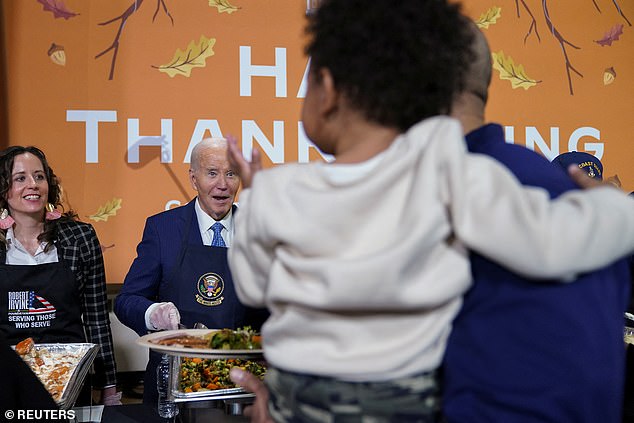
x: 536, y: 351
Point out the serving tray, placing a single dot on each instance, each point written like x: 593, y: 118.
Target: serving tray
x: 79, y: 356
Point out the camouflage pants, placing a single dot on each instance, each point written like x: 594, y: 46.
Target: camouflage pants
x: 296, y: 398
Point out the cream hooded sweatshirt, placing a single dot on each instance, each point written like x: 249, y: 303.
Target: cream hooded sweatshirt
x: 363, y: 266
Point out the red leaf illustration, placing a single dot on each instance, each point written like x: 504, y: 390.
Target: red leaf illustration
x: 612, y: 35
x: 58, y: 8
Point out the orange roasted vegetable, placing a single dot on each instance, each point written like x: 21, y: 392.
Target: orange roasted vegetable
x: 24, y: 347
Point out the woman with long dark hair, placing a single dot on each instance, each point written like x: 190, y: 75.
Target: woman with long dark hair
x: 52, y: 277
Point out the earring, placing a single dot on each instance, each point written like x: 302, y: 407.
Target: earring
x: 6, y: 221
x: 51, y: 213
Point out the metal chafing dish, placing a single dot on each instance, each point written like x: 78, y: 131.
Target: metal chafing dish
x: 81, y: 355
x: 177, y: 395
x: 176, y: 355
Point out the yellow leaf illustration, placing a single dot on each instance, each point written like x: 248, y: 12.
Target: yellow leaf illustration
x: 193, y: 57
x: 107, y: 210
x: 223, y: 6
x: 489, y: 17
x: 514, y: 73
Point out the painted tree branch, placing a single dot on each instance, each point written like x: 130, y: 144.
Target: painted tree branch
x: 618, y: 9
x: 123, y: 18
x: 160, y: 3
x: 115, y: 44
x: 562, y: 43
x: 616, y: 4
x: 533, y: 25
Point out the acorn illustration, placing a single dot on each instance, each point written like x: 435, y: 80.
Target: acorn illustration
x: 57, y: 54
x: 608, y: 76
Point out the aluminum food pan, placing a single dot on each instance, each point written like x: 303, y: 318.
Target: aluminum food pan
x: 216, y: 394
x: 81, y: 357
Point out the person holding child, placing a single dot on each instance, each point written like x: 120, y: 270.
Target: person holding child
x: 362, y: 262
x: 517, y: 344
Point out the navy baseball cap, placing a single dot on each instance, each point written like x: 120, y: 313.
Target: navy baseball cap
x: 585, y: 161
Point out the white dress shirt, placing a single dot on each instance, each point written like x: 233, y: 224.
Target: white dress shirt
x: 204, y: 225
x: 18, y: 255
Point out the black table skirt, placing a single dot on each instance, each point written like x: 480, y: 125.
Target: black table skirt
x: 133, y: 413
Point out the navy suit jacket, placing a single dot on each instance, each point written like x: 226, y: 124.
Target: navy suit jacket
x: 525, y: 351
x: 146, y: 281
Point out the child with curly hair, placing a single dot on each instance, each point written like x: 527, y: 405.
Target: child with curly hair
x: 362, y: 261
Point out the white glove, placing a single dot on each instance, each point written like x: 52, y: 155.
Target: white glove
x: 164, y: 316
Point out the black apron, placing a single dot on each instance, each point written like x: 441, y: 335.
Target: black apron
x: 201, y: 288
x: 41, y: 302
x: 201, y: 285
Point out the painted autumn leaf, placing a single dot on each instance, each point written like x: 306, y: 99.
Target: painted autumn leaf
x: 612, y: 35
x: 193, y: 57
x: 489, y: 17
x: 512, y: 72
x: 107, y: 210
x: 223, y: 6
x: 58, y: 8
x: 614, y: 180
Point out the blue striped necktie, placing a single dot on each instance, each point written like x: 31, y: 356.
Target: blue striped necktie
x: 217, y: 240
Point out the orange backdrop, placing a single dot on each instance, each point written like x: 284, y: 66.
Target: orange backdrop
x: 118, y: 132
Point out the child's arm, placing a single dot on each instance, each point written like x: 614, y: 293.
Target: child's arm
x: 249, y: 260
x: 521, y: 229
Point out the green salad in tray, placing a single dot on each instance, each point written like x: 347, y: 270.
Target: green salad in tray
x: 240, y: 339
x: 198, y: 374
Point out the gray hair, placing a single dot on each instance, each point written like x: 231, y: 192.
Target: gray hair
x: 207, y: 143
